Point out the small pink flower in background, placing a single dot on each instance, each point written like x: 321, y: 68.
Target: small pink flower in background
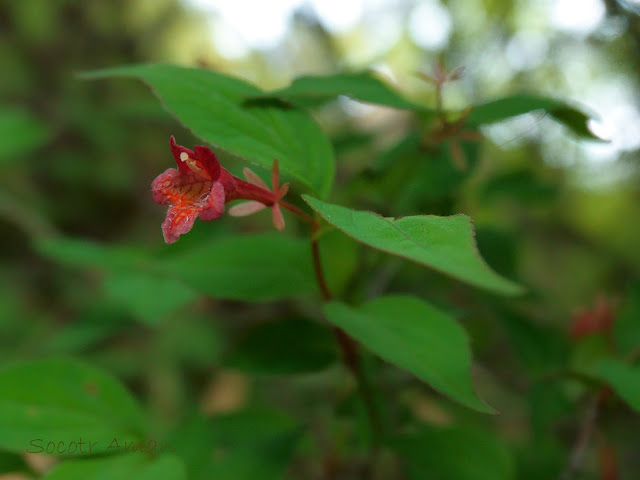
x: 200, y: 187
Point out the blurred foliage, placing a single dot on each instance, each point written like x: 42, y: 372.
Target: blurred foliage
x: 255, y: 390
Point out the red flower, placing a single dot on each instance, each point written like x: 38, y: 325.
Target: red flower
x: 200, y: 187
x: 598, y: 319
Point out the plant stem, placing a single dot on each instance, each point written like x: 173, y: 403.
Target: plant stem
x: 584, y: 435
x: 292, y: 208
x: 348, y: 346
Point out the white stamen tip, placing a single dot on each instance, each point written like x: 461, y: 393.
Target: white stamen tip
x: 184, y: 156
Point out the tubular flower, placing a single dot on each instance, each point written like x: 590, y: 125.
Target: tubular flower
x: 200, y: 187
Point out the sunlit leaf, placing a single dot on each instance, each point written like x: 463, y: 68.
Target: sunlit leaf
x: 362, y: 86
x: 211, y: 105
x: 443, y: 243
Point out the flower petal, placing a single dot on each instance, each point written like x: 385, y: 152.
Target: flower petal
x: 179, y: 220
x: 253, y: 178
x: 278, y: 219
x: 208, y: 160
x: 246, y: 208
x: 283, y: 190
x: 163, y: 187
x: 173, y: 187
x: 177, y: 150
x: 214, y: 206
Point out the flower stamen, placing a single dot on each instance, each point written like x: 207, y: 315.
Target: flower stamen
x: 191, y: 163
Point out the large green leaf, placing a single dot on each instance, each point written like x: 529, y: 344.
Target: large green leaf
x: 130, y: 279
x: 414, y: 335
x: 149, y: 297
x: 289, y: 346
x: 62, y: 400
x: 132, y: 467
x: 21, y: 133
x: 511, y: 106
x: 211, y: 105
x: 363, y: 86
x: 247, y: 267
x: 244, y: 267
x: 251, y: 445
x: 458, y: 453
x: 623, y: 378
x: 443, y: 243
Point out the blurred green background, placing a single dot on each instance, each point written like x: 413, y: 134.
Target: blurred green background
x: 556, y: 213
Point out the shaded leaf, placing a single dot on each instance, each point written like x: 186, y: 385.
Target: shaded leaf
x: 149, y: 297
x: 247, y: 267
x: 290, y: 346
x: 626, y: 329
x: 460, y: 453
x: 64, y: 400
x: 21, y: 133
x: 417, y: 337
x: 134, y: 467
x: 211, y: 105
x: 623, y: 378
x: 443, y: 243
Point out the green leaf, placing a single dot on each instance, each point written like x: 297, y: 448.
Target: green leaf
x: 21, y: 133
x: 623, y: 378
x: 511, y: 106
x: 626, y: 330
x: 460, y: 453
x: 130, y: 279
x: 250, y: 444
x: 12, y: 463
x: 247, y: 267
x: 311, y: 91
x: 64, y: 400
x: 75, y: 252
x: 149, y: 297
x: 443, y: 243
x: 417, y: 337
x: 211, y: 105
x: 520, y: 185
x: 134, y: 467
x: 286, y: 347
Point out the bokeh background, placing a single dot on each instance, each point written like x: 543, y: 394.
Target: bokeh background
x: 77, y: 157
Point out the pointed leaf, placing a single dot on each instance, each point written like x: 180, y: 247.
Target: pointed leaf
x: 443, y: 243
x: 362, y: 86
x: 511, y: 106
x: 417, y: 337
x: 623, y: 378
x: 211, y: 105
